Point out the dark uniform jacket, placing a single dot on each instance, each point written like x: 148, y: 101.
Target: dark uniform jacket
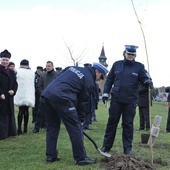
x: 125, y: 76
x: 75, y: 84
x: 7, y: 82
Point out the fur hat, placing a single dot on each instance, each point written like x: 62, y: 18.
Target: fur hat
x: 24, y: 62
x: 5, y: 54
x: 40, y: 68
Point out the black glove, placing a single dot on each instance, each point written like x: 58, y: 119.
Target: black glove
x: 104, y: 99
x: 81, y: 117
x: 149, y: 83
x: 96, y: 106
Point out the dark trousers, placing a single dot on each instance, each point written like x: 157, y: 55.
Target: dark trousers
x: 23, y: 114
x: 41, y: 117
x: 168, y: 121
x: 65, y: 111
x: 87, y: 120
x: 128, y: 112
x: 144, y: 117
x: 35, y: 108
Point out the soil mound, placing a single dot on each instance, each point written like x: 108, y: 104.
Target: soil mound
x: 125, y: 162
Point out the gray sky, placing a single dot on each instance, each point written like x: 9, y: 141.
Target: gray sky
x: 36, y: 30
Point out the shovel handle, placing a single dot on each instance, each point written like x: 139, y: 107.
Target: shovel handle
x: 94, y: 143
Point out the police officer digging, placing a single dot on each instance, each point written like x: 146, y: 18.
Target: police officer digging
x: 66, y: 99
x: 122, y: 82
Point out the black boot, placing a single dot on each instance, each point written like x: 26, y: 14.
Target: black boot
x: 19, y: 131
x: 26, y: 117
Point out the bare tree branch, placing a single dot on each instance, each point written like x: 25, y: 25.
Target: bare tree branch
x: 76, y: 60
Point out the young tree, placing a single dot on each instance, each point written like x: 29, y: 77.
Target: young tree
x: 77, y: 59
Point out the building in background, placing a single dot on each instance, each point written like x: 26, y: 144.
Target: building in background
x: 102, y: 60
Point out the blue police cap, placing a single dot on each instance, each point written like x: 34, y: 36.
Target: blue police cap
x: 100, y: 67
x: 131, y: 49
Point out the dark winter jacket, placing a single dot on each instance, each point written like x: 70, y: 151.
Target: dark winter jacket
x: 45, y: 79
x: 123, y: 80
x: 37, y: 77
x: 143, y: 99
x: 75, y: 84
x: 7, y: 82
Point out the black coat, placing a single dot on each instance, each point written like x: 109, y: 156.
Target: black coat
x: 7, y: 118
x: 7, y: 82
x: 143, y: 99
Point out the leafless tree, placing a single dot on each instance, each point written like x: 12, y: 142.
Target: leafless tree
x: 75, y: 58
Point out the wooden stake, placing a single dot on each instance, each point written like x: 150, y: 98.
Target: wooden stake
x: 149, y: 90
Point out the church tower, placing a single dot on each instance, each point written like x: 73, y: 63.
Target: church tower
x: 102, y: 58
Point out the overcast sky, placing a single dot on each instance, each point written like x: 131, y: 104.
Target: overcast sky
x: 37, y: 29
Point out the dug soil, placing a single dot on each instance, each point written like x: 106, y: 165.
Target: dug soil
x: 125, y: 162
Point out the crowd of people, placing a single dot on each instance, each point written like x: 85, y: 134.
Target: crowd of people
x: 71, y: 96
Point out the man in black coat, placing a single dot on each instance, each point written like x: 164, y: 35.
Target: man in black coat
x: 8, y: 88
x: 143, y: 104
x: 44, y: 80
x: 66, y: 99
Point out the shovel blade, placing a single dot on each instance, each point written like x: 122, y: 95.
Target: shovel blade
x: 104, y: 154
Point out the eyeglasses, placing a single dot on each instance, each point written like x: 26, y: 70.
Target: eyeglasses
x: 131, y: 54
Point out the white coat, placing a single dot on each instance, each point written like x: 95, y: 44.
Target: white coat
x: 25, y: 94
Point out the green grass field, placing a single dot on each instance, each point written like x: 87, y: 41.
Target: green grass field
x: 27, y: 151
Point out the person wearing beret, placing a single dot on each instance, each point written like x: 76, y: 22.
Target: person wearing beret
x: 8, y: 88
x: 122, y: 83
x: 38, y: 72
x: 25, y: 95
x: 66, y: 99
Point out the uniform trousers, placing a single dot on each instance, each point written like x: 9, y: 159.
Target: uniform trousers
x: 65, y: 111
x: 128, y: 112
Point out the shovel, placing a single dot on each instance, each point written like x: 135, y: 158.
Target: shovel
x: 94, y: 143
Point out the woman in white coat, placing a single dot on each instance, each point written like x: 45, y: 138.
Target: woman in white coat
x: 25, y: 95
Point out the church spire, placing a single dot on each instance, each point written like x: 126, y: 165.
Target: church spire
x: 102, y: 57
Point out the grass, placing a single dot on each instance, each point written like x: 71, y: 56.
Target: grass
x: 27, y: 151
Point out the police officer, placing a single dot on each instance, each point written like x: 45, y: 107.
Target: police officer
x: 88, y: 115
x: 125, y: 75
x: 66, y: 99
